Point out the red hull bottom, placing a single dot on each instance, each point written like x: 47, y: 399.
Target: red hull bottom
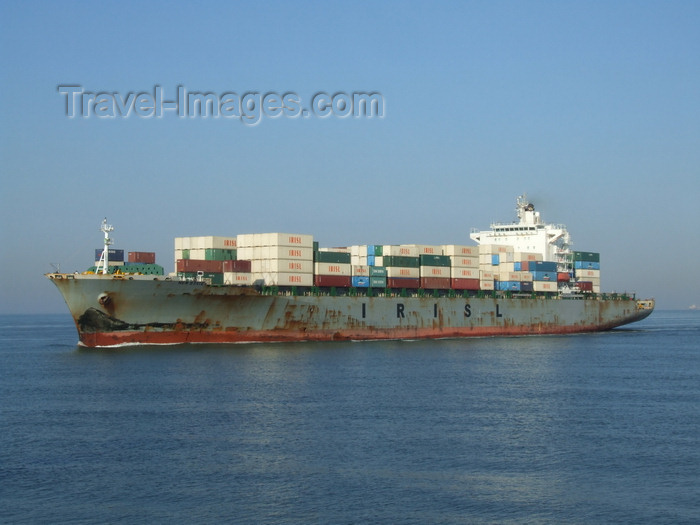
x: 100, y: 339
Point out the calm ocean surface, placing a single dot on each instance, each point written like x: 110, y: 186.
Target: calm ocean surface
x: 601, y: 428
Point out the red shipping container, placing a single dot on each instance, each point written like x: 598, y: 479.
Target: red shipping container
x: 339, y: 281
x: 142, y: 257
x: 435, y: 283
x: 563, y: 277
x: 237, y: 266
x: 195, y: 265
x: 585, y: 286
x: 523, y: 266
x: 465, y: 284
x: 403, y: 282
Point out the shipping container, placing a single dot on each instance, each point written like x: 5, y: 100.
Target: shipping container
x: 344, y: 270
x: 283, y: 279
x: 195, y: 265
x: 585, y: 286
x: 486, y: 285
x: 465, y: 284
x: 360, y: 270
x: 281, y: 265
x: 360, y: 281
x: 338, y: 281
x: 424, y: 249
x: 375, y: 249
x: 402, y: 272
x: 377, y: 271
x: 435, y: 283
x: 276, y: 239
x: 507, y: 286
x: 236, y: 266
x: 541, y: 266
x: 238, y: 278
x: 542, y: 286
x: 544, y: 276
x: 458, y: 261
x: 332, y: 257
x: 142, y: 257
x: 399, y: 260
x: 587, y: 274
x: 436, y: 271
x: 434, y: 260
x: 377, y: 282
x: 586, y: 256
x: 113, y: 254
x: 586, y: 265
x: 398, y: 282
x: 400, y: 251
x: 464, y: 273
x: 527, y: 286
x: 456, y: 250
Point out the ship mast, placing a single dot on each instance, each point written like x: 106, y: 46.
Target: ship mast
x: 104, y: 258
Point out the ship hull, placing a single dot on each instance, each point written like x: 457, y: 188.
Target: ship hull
x: 109, y: 312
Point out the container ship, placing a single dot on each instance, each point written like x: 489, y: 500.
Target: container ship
x: 518, y: 278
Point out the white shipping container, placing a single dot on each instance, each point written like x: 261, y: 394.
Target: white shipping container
x: 435, y: 271
x: 360, y: 270
x: 464, y: 262
x: 359, y: 251
x: 286, y: 252
x: 586, y: 275
x: 459, y: 250
x: 404, y: 250
x: 426, y: 249
x: 336, y: 250
x: 281, y: 265
x: 284, y: 279
x: 486, y: 285
x: 486, y: 275
x: 400, y: 271
x: 379, y: 260
x: 464, y: 273
x: 275, y: 239
x: 544, y: 286
x: 240, y: 278
x: 526, y: 256
x: 341, y: 269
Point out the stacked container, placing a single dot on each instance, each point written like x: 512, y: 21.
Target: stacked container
x: 587, y: 271
x: 333, y: 268
x: 402, y: 266
x: 279, y: 259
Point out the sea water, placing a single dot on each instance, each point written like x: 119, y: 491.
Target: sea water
x: 595, y: 428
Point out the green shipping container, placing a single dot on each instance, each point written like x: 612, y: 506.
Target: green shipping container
x: 587, y: 256
x: 377, y: 282
x: 377, y: 271
x: 402, y: 261
x: 332, y: 257
x: 219, y: 254
x: 435, y: 260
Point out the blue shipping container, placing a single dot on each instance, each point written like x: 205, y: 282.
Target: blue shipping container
x: 114, y: 255
x: 370, y: 260
x: 508, y: 286
x: 586, y: 265
x: 518, y: 267
x: 544, y: 276
x: 542, y: 266
x: 360, y: 281
x: 495, y: 259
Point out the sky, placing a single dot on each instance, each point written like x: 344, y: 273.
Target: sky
x: 590, y: 108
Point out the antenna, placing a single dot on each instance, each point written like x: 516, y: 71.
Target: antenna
x: 104, y: 258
